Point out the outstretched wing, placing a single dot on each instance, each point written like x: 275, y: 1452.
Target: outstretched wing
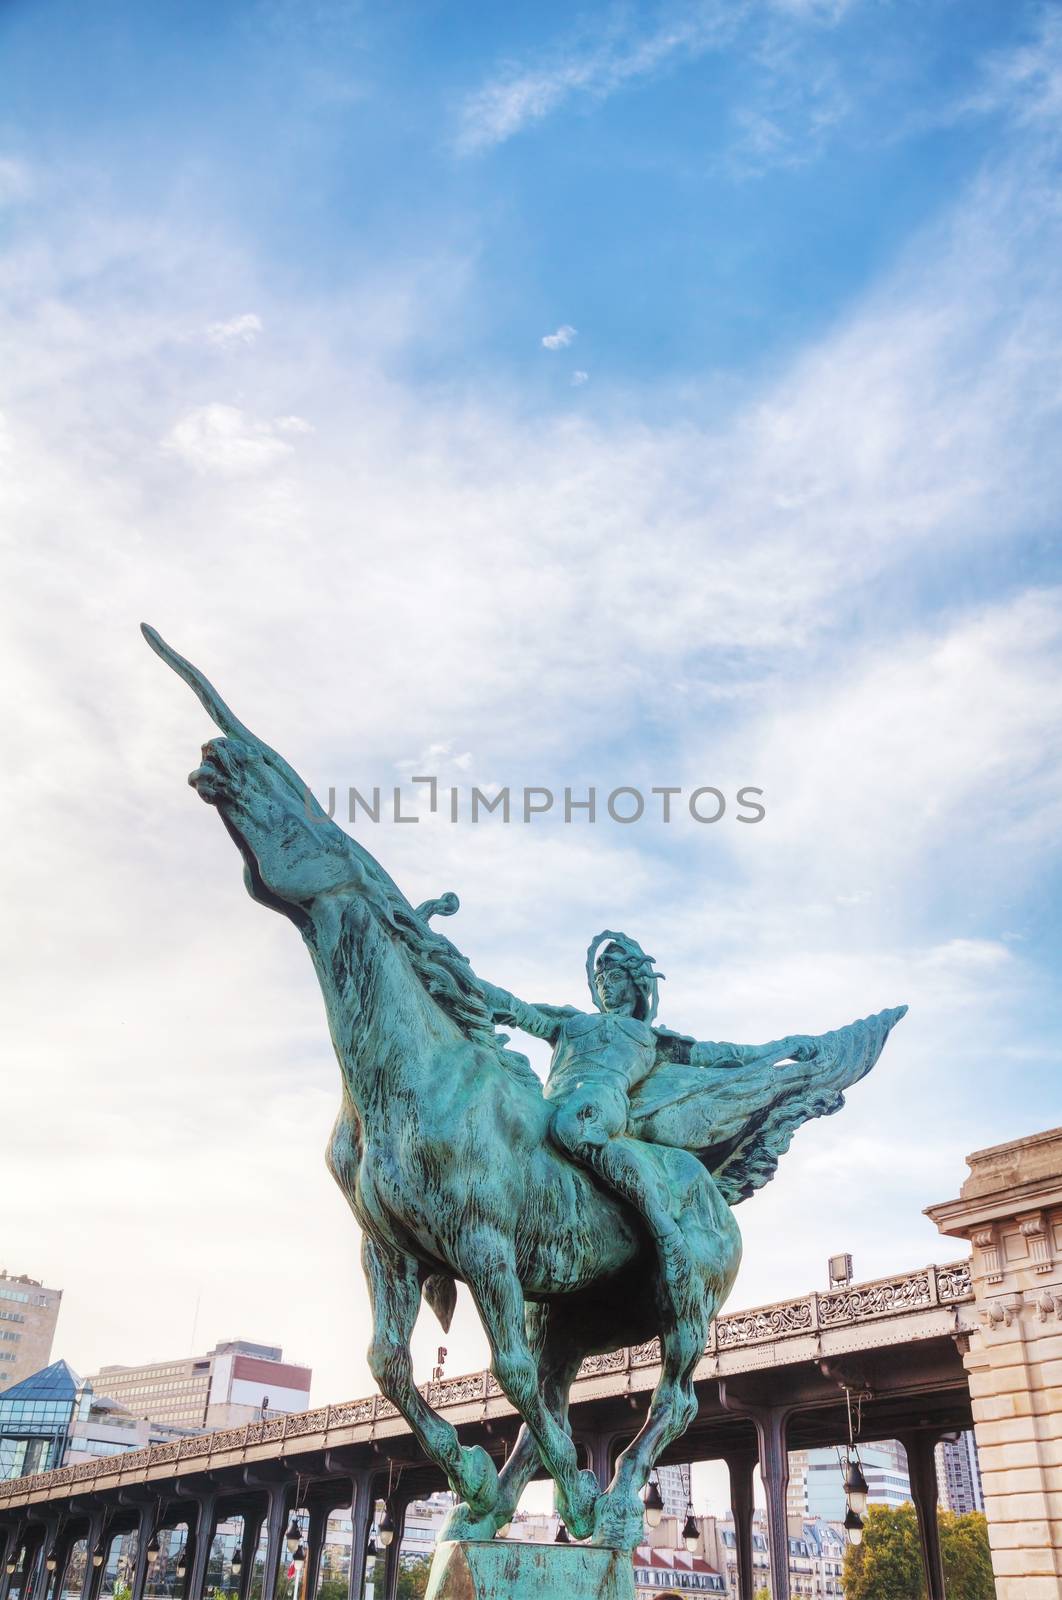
x: 740, y: 1120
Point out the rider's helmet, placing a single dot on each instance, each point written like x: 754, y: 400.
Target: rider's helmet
x: 620, y: 950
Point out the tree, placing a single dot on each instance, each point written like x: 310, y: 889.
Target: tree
x: 888, y: 1563
x: 413, y: 1579
x: 966, y: 1555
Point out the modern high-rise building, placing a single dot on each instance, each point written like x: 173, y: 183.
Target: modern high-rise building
x: 959, y: 1475
x: 674, y: 1485
x: 236, y: 1382
x: 884, y: 1466
x: 28, y: 1313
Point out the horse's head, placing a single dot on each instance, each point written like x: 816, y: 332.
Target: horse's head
x: 291, y: 851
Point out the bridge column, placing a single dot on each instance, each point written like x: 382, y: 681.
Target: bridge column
x: 772, y: 1427
x: 144, y: 1529
x: 361, y: 1507
x: 741, y: 1470
x: 599, y: 1450
x: 12, y: 1547
x: 90, y: 1585
x: 37, y: 1574
x: 392, y: 1566
x: 315, y: 1538
x: 276, y: 1523
x: 206, y: 1506
x: 1010, y: 1208
x: 65, y: 1552
x: 922, y: 1468
x: 249, y: 1541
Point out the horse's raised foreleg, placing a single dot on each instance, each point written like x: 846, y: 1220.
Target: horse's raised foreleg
x: 394, y: 1290
x: 558, y: 1361
x: 488, y: 1268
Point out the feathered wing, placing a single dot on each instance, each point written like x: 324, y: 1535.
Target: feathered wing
x: 740, y: 1120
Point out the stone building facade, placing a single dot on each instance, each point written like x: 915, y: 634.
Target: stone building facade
x: 1010, y: 1209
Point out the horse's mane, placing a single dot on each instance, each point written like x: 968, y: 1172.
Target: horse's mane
x: 444, y: 972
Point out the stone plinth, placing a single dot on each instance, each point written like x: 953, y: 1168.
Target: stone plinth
x: 506, y: 1569
x: 1010, y: 1209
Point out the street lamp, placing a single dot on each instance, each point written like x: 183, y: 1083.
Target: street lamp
x: 51, y: 1560
x: 237, y: 1562
x: 691, y: 1534
x: 385, y: 1531
x: 293, y: 1537
x: 182, y: 1563
x: 853, y: 1524
x: 10, y: 1564
x: 855, y: 1486
x: 654, y: 1504
x: 99, y: 1555
x: 152, y: 1551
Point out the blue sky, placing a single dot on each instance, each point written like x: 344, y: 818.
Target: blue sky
x: 643, y: 394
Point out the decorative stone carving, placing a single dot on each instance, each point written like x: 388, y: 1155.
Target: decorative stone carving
x: 987, y: 1241
x: 1034, y: 1229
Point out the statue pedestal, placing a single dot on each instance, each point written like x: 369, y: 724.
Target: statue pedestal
x: 506, y: 1569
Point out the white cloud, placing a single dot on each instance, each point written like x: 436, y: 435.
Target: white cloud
x: 222, y: 439
x: 238, y: 331
x: 519, y: 96
x: 15, y: 181
x: 561, y: 339
x: 592, y: 66
x: 579, y: 377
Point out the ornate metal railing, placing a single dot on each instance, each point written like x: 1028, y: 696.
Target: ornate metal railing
x: 855, y: 1304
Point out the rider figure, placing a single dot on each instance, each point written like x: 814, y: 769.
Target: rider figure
x: 598, y: 1058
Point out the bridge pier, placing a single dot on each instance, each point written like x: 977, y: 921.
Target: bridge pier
x: 361, y: 1508
x: 12, y: 1546
x: 392, y: 1566
x: 772, y: 1427
x: 1010, y: 1208
x: 922, y: 1468
x: 90, y: 1583
x: 741, y: 1470
x: 205, y: 1521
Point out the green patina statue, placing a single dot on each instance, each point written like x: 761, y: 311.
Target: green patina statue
x: 583, y: 1216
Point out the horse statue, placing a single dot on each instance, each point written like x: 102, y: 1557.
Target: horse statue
x: 583, y: 1216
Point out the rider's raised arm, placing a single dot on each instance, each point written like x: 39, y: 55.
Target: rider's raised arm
x: 542, y: 1021
x: 710, y: 1053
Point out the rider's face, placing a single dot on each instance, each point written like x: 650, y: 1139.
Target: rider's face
x: 617, y: 990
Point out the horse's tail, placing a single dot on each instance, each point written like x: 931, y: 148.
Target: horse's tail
x: 440, y: 1291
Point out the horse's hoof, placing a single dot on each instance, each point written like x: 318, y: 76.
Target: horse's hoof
x: 578, y: 1508
x: 619, y: 1521
x: 478, y: 1480
x: 462, y: 1523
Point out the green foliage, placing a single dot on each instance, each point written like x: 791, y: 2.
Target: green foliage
x: 888, y: 1564
x: 761, y: 1594
x: 413, y: 1580
x: 332, y: 1589
x: 966, y: 1556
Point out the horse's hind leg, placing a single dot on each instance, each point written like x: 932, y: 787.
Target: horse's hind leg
x: 488, y: 1269
x: 394, y: 1289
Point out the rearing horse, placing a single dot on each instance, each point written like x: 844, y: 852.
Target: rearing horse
x: 442, y: 1149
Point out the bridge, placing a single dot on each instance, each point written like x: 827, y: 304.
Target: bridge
x: 773, y: 1379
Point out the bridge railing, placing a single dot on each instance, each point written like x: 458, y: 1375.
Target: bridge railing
x: 849, y: 1306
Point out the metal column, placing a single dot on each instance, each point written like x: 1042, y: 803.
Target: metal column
x: 361, y: 1510
x: 741, y: 1470
x: 276, y: 1518
x: 922, y: 1467
x: 204, y: 1538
